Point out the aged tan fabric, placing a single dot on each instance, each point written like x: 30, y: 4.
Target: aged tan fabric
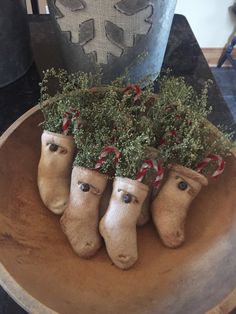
x: 169, y: 209
x: 80, y: 219
x: 54, y: 170
x: 145, y: 214
x: 118, y: 226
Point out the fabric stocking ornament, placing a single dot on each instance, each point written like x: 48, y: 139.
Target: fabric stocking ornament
x: 170, y: 207
x: 54, y: 170
x: 80, y: 219
x: 145, y: 214
x: 118, y: 225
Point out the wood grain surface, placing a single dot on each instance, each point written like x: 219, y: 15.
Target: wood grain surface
x: 42, y: 273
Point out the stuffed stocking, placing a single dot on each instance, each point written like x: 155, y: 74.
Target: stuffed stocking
x: 80, y: 219
x: 156, y: 180
x: 170, y: 207
x: 54, y: 170
x: 118, y: 226
x: 145, y: 215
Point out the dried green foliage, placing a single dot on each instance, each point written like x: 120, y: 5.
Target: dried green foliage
x: 174, y: 121
x: 183, y: 134
x: 114, y: 121
x: 61, y: 92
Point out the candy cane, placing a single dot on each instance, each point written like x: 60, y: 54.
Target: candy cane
x: 75, y: 118
x: 151, y: 164
x: 136, y: 88
x: 171, y: 133
x: 66, y: 123
x: 159, y: 176
x: 68, y: 118
x: 104, y: 153
x: 210, y: 158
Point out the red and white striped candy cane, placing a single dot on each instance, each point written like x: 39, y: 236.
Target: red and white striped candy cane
x: 68, y: 118
x: 151, y: 164
x: 66, y: 123
x: 75, y: 118
x: 212, y: 157
x: 160, y: 175
x: 104, y: 153
x: 136, y: 88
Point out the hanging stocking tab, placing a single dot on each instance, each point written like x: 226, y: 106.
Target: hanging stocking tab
x: 210, y: 158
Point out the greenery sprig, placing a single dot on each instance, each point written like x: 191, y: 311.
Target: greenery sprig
x: 61, y: 92
x: 174, y: 121
x: 183, y: 133
x: 114, y: 121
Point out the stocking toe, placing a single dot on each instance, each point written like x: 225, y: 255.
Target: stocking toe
x: 58, y: 208
x: 125, y: 261
x: 174, y: 239
x: 88, y: 249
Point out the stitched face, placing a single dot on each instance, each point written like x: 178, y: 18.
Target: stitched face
x: 54, y: 148
x: 183, y: 185
x: 127, y: 197
x: 86, y: 187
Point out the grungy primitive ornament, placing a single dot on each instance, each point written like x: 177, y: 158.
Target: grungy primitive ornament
x: 119, y: 36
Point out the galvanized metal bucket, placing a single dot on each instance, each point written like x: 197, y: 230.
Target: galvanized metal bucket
x: 15, y: 51
x: 122, y: 37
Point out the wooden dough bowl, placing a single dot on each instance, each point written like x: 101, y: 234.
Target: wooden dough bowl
x: 43, y: 274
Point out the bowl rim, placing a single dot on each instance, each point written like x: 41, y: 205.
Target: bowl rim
x: 8, y: 283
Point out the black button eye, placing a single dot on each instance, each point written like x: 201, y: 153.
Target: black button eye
x: 183, y: 185
x: 84, y: 187
x: 53, y: 147
x: 127, y: 198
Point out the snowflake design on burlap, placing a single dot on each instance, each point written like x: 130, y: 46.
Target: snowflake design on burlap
x: 104, y: 35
